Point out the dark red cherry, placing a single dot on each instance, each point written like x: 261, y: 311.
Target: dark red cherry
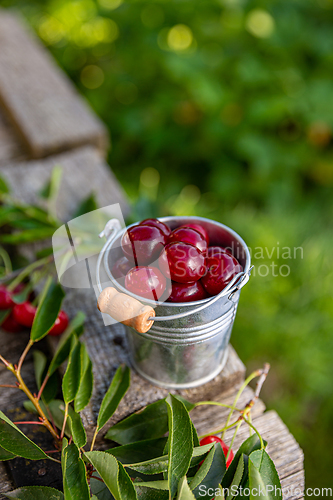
x: 60, y: 324
x: 215, y: 251
x: 182, y: 262
x: 6, y: 301
x: 225, y: 448
x: 187, y: 292
x: 156, y: 223
x: 24, y: 313
x: 188, y: 235
x: 121, y: 268
x: 10, y: 324
x: 200, y: 230
x: 147, y: 282
x: 221, y: 268
x: 142, y: 244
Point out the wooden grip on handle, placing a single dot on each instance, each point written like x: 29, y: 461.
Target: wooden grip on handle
x: 126, y: 309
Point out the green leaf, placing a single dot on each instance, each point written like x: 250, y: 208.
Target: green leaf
x: 6, y: 455
x: 40, y: 361
x: 214, y: 476
x: 3, y: 186
x: 161, y: 464
x: 4, y: 314
x: 35, y: 493
x: 180, y: 442
x: 47, y: 311
x: 14, y: 441
x: 184, y: 491
x: 113, y: 474
x: 250, y: 444
x: 86, y: 381
x: 51, y: 190
x: 56, y: 407
x: 139, y: 451
x: 74, y: 473
x: 195, y: 436
x: 76, y: 326
x: 156, y: 485
x: 150, y: 423
x: 99, y: 489
x: 77, y: 429
x: 51, y: 387
x: 27, y: 236
x: 88, y: 205
x: 203, y: 470
x: 118, y: 387
x: 237, y: 478
x: 21, y: 297
x: 263, y: 474
x: 145, y: 493
x: 71, y: 379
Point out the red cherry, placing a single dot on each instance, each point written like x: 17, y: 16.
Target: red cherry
x: 225, y: 448
x: 148, y: 282
x: 187, y: 292
x: 182, y: 262
x: 142, y: 244
x: 156, y: 223
x: 221, y: 268
x: 121, y: 268
x: 60, y: 324
x: 24, y: 313
x: 10, y: 324
x: 6, y: 301
x: 188, y: 235
x: 215, y: 251
x: 200, y: 230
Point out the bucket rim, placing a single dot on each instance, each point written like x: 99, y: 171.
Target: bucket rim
x: 176, y: 218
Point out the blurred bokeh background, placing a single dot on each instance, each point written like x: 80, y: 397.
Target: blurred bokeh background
x: 224, y: 109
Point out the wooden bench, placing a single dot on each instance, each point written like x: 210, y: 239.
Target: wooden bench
x: 43, y: 123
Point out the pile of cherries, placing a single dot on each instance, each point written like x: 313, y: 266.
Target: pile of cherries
x: 23, y: 314
x: 176, y: 266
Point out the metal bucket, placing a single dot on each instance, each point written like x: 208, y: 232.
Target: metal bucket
x: 187, y: 344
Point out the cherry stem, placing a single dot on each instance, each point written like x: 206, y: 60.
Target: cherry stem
x: 218, y: 431
x: 94, y: 439
x: 253, y: 375
x: 29, y: 422
x: 5, y: 362
x: 42, y: 387
x: 215, y: 403
x: 98, y: 478
x: 25, y: 352
x: 8, y: 385
x: 262, y: 446
x: 233, y: 439
x: 64, y: 422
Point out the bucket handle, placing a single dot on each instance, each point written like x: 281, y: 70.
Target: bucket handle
x: 110, y: 231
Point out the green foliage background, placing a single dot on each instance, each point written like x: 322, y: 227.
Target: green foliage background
x: 227, y: 116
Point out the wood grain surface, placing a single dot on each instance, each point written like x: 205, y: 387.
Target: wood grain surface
x: 39, y: 99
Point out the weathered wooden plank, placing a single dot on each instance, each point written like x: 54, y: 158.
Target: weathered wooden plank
x: 11, y: 148
x: 84, y: 172
x: 39, y: 99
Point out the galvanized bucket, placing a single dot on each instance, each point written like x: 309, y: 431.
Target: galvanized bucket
x: 187, y: 344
